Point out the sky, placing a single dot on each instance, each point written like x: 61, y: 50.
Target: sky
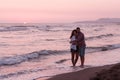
x: 57, y: 11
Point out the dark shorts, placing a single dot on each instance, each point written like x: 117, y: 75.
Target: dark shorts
x: 73, y: 51
x: 81, y: 51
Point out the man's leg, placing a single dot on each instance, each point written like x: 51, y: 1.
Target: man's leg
x: 82, y: 56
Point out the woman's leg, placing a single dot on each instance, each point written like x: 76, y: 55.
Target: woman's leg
x: 72, y: 58
x: 76, y: 58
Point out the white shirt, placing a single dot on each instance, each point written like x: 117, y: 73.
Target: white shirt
x: 73, y: 46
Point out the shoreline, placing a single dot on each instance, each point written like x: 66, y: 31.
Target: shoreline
x: 85, y: 74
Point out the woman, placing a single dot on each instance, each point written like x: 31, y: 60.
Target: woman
x: 73, y: 47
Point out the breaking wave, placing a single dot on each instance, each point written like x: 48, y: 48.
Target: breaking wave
x: 26, y: 57
x: 13, y: 28
x: 100, y: 36
x: 38, y: 54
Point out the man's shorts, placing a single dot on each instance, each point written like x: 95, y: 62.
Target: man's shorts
x: 81, y: 51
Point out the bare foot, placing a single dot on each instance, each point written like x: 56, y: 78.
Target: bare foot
x: 82, y: 66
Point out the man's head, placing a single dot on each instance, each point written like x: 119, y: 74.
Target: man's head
x: 78, y: 29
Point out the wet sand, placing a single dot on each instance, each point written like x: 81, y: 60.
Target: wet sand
x: 85, y: 74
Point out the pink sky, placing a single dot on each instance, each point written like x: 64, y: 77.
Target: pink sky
x: 45, y: 11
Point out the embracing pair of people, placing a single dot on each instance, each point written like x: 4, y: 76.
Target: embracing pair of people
x: 77, y: 41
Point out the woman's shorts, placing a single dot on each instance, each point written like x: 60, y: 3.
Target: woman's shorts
x: 73, y: 51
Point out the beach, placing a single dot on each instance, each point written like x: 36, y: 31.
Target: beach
x: 42, y: 51
x: 37, y: 38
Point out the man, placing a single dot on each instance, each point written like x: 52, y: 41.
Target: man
x: 81, y: 46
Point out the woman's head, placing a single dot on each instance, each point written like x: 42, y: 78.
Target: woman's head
x: 74, y: 32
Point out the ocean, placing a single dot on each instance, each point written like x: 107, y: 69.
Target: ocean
x: 41, y: 50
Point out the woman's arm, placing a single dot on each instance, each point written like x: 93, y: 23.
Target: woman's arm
x: 73, y: 42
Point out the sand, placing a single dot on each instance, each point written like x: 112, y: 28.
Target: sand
x: 85, y: 74
x: 111, y: 74
x: 108, y: 72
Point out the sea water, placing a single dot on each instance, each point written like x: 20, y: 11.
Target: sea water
x: 31, y: 51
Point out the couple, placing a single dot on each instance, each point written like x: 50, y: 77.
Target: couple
x: 77, y: 46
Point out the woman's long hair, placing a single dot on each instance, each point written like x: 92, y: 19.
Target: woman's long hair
x: 73, y: 33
